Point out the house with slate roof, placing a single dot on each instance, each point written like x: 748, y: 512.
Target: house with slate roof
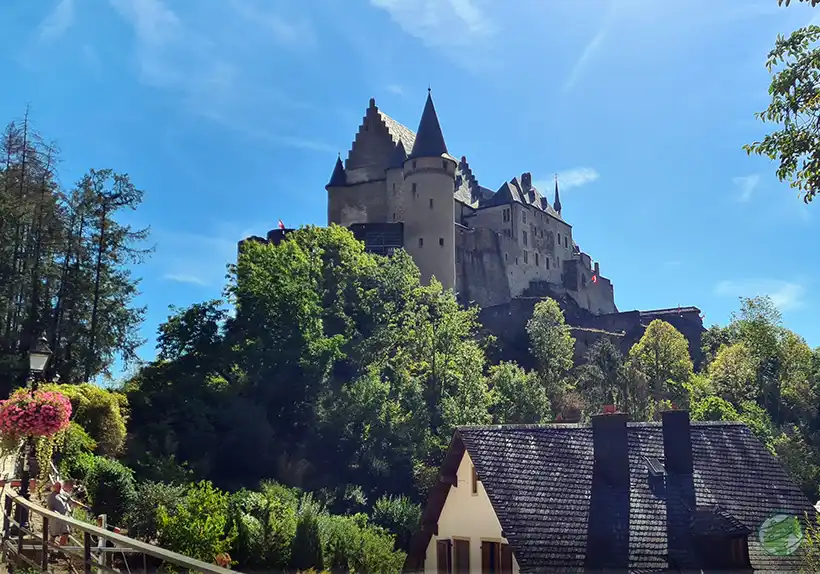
x: 612, y: 496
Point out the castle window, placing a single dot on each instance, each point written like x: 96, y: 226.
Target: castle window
x: 559, y: 235
x: 394, y: 188
x: 565, y: 241
x: 441, y: 241
x: 414, y: 191
x: 547, y: 262
x: 394, y: 216
x: 524, y: 237
x: 524, y: 216
x: 506, y: 257
x: 536, y: 260
x: 516, y: 260
x: 414, y: 164
x: 584, y: 280
x: 421, y: 241
x: 526, y: 258
x: 444, y: 164
x: 431, y: 203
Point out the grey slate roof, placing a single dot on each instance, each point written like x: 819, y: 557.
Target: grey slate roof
x: 512, y: 192
x: 539, y: 479
x: 399, y: 132
x: 338, y: 177
x: 429, y: 139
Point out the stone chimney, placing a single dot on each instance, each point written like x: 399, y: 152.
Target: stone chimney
x: 526, y: 181
x: 597, y: 270
x: 677, y: 442
x: 610, y: 447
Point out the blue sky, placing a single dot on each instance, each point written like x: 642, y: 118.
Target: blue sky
x: 229, y: 114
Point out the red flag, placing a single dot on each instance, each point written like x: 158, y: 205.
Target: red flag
x: 594, y: 278
x: 281, y: 225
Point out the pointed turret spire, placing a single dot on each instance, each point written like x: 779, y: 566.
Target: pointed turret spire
x: 398, y: 157
x: 429, y: 139
x: 339, y: 176
x: 557, y: 203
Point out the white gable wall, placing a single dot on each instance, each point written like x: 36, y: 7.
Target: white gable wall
x: 466, y: 516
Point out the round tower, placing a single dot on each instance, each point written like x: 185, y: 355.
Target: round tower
x: 429, y: 218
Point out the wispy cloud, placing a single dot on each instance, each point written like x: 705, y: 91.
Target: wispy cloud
x: 58, y: 21
x: 182, y: 278
x: 568, y: 179
x: 443, y: 24
x: 589, y: 50
x: 395, y: 89
x: 746, y: 186
x: 786, y: 295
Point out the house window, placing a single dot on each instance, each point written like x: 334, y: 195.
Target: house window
x: 421, y: 241
x: 536, y: 260
x: 461, y: 556
x: 444, y: 560
x: 526, y: 257
x: 524, y: 237
x: 496, y: 558
x: 474, y: 481
x: 441, y: 241
x: 431, y: 203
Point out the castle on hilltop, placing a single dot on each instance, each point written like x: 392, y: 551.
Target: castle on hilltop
x: 502, y: 250
x: 403, y: 189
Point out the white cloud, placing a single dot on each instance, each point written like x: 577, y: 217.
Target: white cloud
x: 589, y: 50
x: 745, y: 186
x: 444, y: 24
x: 786, y: 295
x: 568, y: 179
x: 182, y: 278
x: 395, y: 89
x: 58, y: 21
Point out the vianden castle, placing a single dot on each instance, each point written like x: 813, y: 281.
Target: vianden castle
x: 502, y: 250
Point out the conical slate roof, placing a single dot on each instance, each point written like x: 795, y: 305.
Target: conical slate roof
x: 398, y: 157
x: 557, y: 204
x: 429, y: 139
x: 339, y: 177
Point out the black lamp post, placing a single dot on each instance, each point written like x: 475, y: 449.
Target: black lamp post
x: 37, y: 361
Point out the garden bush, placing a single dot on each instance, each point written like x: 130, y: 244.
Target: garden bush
x: 141, y: 518
x: 111, y: 489
x: 399, y: 515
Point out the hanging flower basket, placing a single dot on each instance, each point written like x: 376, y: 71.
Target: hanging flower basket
x: 44, y: 414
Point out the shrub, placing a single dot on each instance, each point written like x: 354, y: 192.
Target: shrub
x: 74, y: 450
x: 141, y: 518
x: 350, y: 543
x: 102, y: 413
x: 399, y: 515
x: 198, y: 525
x: 110, y: 487
x: 265, y: 524
x: 306, y: 551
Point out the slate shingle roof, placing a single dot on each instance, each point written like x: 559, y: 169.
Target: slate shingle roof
x: 539, y: 479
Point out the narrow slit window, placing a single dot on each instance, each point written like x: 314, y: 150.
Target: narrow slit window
x: 421, y: 241
x: 474, y: 481
x: 431, y: 203
x: 441, y: 241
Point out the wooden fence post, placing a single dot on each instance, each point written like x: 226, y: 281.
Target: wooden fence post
x: 87, y: 552
x: 44, y: 550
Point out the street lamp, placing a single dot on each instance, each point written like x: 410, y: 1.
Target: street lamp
x: 37, y: 361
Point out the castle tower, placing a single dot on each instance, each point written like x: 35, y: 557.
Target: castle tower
x: 429, y: 218
x: 394, y: 178
x: 337, y: 183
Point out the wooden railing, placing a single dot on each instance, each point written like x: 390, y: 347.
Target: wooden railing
x: 96, y: 541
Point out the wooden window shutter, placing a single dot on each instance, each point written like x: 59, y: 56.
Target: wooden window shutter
x: 506, y: 559
x: 475, y: 481
x: 487, y: 565
x: 461, y: 554
x: 443, y: 558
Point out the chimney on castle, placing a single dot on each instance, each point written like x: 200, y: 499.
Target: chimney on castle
x: 597, y: 269
x: 609, y: 445
x: 526, y: 181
